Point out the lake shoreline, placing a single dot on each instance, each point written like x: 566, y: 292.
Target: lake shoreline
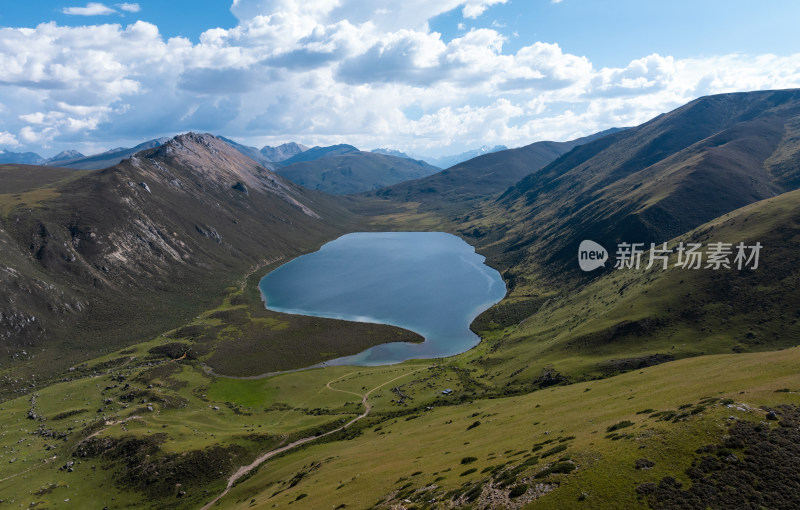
x: 434, y: 283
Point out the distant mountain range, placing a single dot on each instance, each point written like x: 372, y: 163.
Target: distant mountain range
x: 483, y: 175
x: 22, y: 158
x: 31, y: 158
x: 393, y: 152
x: 454, y: 159
x: 251, y: 152
x: 265, y: 156
x: 343, y: 169
x: 445, y: 161
x: 106, y: 159
x: 67, y: 155
x: 320, y: 152
x: 74, y: 159
x: 282, y: 152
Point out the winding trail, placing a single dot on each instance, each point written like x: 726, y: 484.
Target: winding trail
x: 109, y: 424
x: 242, y: 471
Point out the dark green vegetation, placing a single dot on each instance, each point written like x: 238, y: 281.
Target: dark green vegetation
x: 755, y: 463
x: 352, y: 172
x: 242, y: 338
x: 614, y: 389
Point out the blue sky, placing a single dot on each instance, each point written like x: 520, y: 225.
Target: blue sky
x: 612, y: 33
x: 426, y: 77
x: 182, y: 18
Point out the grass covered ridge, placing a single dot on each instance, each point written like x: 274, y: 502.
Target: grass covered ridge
x: 555, y: 442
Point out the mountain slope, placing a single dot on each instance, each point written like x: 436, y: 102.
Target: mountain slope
x: 320, y: 152
x: 354, y: 172
x: 482, y: 176
x: 141, y: 245
x: 652, y: 182
x: 626, y: 318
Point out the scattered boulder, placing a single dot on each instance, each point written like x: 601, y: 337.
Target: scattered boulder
x: 239, y: 186
x: 209, y: 232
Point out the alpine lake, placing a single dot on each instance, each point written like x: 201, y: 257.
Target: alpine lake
x: 432, y: 283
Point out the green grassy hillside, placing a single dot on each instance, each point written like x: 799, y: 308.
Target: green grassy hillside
x: 649, y: 183
x: 628, y: 318
x: 591, y: 445
x: 539, y: 412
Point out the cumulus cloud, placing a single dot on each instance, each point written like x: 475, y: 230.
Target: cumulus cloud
x: 406, y: 56
x: 386, y: 15
x: 91, y: 9
x: 647, y: 74
x: 331, y: 71
x: 8, y: 139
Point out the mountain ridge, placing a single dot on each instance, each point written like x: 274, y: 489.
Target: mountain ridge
x: 320, y: 152
x: 454, y: 159
x: 354, y: 172
x: 145, y: 232
x: 655, y: 181
x: 481, y: 177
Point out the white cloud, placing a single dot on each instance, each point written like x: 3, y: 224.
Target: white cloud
x: 473, y: 8
x: 29, y: 135
x: 91, y: 9
x: 387, y: 15
x: 8, y: 139
x: 331, y: 71
x: 641, y: 75
x: 128, y: 7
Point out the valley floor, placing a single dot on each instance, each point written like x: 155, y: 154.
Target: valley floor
x: 133, y: 430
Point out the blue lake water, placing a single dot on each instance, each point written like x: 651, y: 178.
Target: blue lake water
x: 431, y: 283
